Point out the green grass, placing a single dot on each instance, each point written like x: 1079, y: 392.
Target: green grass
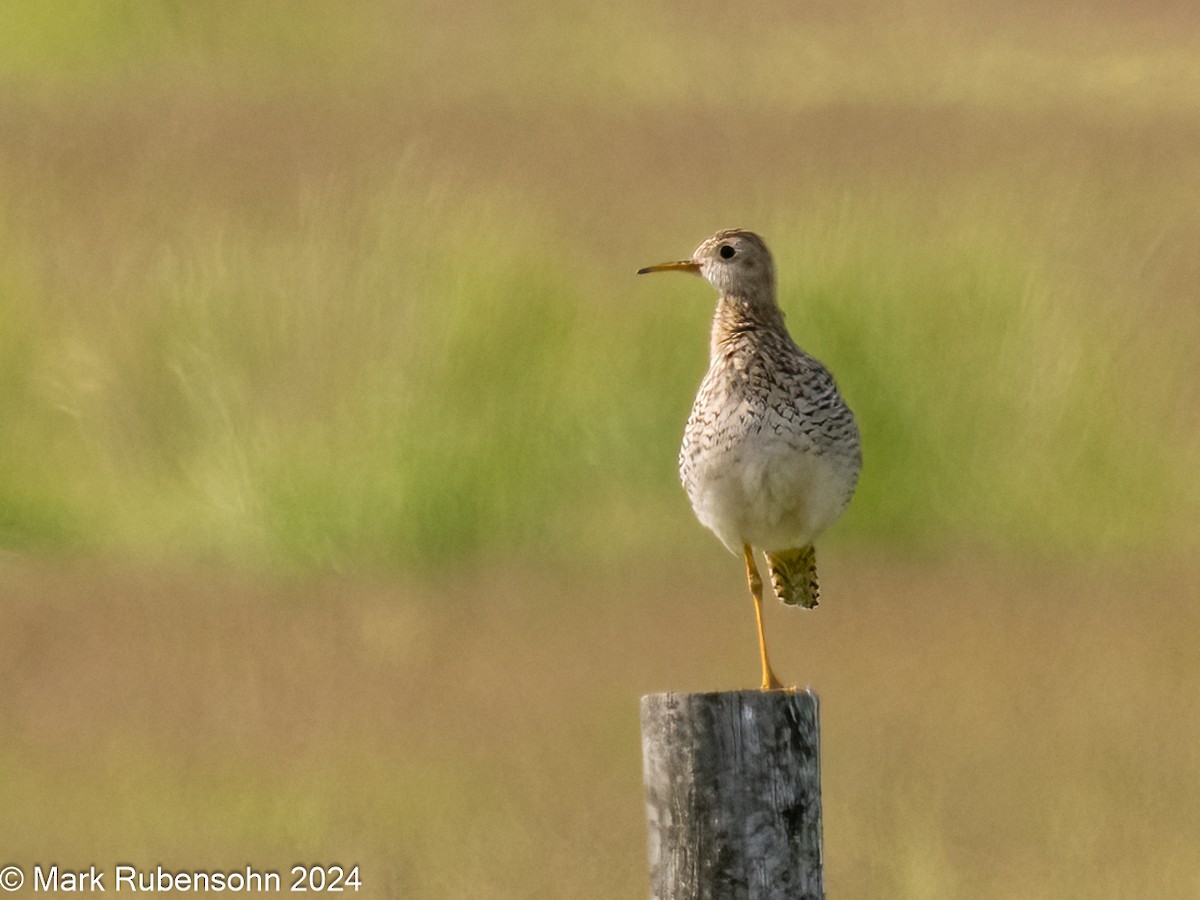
x: 267, y: 296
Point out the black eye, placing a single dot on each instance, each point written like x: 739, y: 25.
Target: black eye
x: 727, y: 252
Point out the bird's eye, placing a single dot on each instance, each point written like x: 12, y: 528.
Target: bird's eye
x: 727, y: 252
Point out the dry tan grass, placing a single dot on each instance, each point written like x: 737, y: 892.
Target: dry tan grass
x: 988, y: 732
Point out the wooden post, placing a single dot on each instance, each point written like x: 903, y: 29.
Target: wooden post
x: 733, y: 795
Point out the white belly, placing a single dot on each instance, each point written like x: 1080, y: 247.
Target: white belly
x: 767, y: 492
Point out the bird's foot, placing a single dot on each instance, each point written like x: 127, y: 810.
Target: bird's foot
x: 771, y: 683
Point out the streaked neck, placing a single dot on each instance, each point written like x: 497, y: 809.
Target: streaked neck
x: 739, y: 315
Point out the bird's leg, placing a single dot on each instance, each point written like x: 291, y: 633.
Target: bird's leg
x: 769, y: 681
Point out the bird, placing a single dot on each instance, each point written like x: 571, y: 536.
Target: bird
x: 771, y: 452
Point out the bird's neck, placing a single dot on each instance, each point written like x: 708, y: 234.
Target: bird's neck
x: 739, y: 318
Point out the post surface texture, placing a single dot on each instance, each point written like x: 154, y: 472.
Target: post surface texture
x: 733, y: 795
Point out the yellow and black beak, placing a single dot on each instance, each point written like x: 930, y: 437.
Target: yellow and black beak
x: 683, y: 265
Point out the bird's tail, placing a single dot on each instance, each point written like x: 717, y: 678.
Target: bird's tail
x: 794, y: 576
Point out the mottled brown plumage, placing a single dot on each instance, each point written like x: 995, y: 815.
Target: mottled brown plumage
x: 770, y: 455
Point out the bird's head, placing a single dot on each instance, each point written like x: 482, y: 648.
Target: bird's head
x: 734, y: 262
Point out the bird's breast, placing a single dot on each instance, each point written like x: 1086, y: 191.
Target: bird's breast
x: 757, y: 464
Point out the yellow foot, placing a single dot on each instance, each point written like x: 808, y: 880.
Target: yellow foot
x: 778, y: 686
x: 771, y: 683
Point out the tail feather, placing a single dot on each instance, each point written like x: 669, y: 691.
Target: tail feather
x: 794, y: 576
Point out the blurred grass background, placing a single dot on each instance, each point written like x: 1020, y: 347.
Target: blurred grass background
x: 312, y: 287
x: 341, y: 298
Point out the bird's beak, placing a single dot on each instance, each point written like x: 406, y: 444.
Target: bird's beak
x: 683, y: 265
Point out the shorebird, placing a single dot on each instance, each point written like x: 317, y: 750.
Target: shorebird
x: 770, y: 455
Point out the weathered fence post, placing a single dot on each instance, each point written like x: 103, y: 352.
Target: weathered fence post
x: 733, y: 795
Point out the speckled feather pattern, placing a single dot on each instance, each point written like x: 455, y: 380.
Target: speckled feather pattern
x: 771, y: 451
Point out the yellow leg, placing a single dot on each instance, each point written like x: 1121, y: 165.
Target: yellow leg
x: 769, y: 681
